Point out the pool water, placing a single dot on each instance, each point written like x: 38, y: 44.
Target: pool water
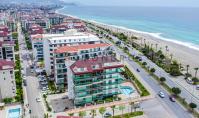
x: 14, y: 113
x: 126, y: 90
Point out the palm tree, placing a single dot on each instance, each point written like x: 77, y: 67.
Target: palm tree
x: 196, y: 71
x: 102, y: 110
x: 166, y: 48
x: 82, y: 114
x: 132, y: 105
x: 187, y: 69
x: 171, y: 55
x: 93, y: 112
x: 113, y: 109
x: 156, y: 47
x: 144, y: 42
x: 121, y: 108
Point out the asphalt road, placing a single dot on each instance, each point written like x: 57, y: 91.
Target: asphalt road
x: 176, y: 108
x: 32, y: 88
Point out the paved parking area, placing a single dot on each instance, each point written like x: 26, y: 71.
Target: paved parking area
x: 60, y: 102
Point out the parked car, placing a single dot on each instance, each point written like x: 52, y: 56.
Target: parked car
x: 38, y: 99
x: 197, y: 87
x: 172, y: 99
x: 161, y: 94
x: 138, y: 70
x: 189, y: 80
x: 106, y: 115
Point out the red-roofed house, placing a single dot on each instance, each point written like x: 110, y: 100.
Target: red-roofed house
x: 7, y: 79
x: 94, y: 79
x: 35, y: 29
x: 68, y: 117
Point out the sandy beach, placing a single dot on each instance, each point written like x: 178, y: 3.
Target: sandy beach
x: 183, y: 54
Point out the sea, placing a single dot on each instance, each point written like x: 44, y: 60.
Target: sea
x: 176, y: 24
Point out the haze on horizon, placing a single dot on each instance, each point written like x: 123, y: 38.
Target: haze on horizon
x: 171, y: 3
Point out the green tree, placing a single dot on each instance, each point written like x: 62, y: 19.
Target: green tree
x: 144, y: 63
x: 113, y: 109
x: 175, y: 69
x: 162, y: 79
x: 102, y: 110
x: 121, y: 108
x: 82, y: 113
x: 176, y: 90
x: 192, y: 106
x: 152, y: 70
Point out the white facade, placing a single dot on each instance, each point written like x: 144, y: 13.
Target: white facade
x: 7, y: 82
x: 52, y: 41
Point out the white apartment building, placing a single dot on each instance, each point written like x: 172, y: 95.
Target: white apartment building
x: 71, y: 37
x: 37, y: 45
x: 7, y: 50
x: 7, y: 79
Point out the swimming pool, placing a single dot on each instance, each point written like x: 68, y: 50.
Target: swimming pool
x: 126, y: 90
x: 14, y: 113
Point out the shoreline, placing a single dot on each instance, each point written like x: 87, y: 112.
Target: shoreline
x: 183, y: 52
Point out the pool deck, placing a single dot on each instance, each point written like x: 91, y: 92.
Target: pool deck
x: 4, y: 112
x: 134, y: 94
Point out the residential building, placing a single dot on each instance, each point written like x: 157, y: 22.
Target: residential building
x: 7, y: 50
x: 37, y: 45
x: 7, y: 79
x: 78, y: 52
x: 94, y: 79
x: 71, y: 37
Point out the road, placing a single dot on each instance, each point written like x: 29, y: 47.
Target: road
x: 32, y: 88
x: 176, y: 108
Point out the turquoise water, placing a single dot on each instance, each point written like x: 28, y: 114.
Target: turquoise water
x: 126, y: 90
x: 14, y: 113
x: 179, y: 25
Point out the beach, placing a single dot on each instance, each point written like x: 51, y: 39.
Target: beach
x: 182, y: 53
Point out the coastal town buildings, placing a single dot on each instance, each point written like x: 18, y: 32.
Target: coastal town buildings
x: 7, y: 50
x: 94, y: 79
x: 75, y: 53
x: 7, y: 79
x: 37, y: 47
x: 70, y: 37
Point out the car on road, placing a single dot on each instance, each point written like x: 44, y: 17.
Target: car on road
x: 24, y: 82
x: 38, y: 99
x: 138, y: 70
x: 107, y: 115
x: 172, y: 99
x: 197, y: 87
x: 161, y: 94
x: 189, y: 80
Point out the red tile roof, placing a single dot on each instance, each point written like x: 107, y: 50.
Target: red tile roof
x: 98, y: 62
x: 37, y: 36
x: 80, y: 47
x: 4, y: 62
x: 68, y: 117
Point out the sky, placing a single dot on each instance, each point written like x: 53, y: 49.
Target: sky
x: 180, y: 3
